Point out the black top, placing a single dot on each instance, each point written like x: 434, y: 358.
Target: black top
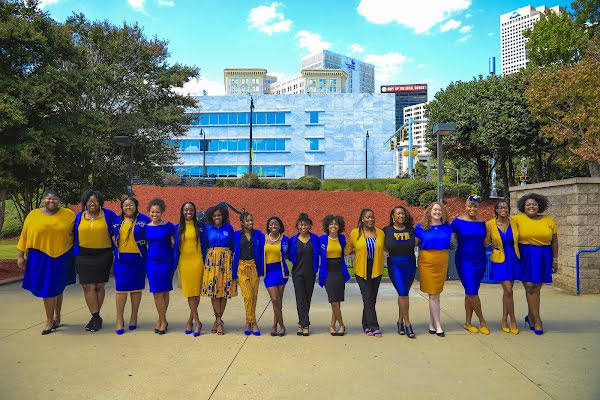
x: 246, y: 250
x: 400, y: 243
x: 304, y: 262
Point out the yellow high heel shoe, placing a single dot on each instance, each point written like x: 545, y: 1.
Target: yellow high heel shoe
x: 471, y: 328
x: 484, y: 330
x: 514, y: 331
x: 504, y: 329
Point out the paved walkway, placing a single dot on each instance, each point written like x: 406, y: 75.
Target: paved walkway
x: 74, y: 364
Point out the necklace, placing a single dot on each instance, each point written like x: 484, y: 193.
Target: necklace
x: 399, y: 229
x: 274, y: 240
x: 158, y: 223
x: 92, y: 217
x: 335, y: 238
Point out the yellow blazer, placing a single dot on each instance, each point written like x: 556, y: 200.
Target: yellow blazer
x: 359, y: 246
x: 493, y: 237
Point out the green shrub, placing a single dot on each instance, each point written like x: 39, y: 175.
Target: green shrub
x: 376, y: 185
x: 412, y: 190
x: 12, y: 224
x: 171, y: 180
x: 464, y: 189
x: 276, y: 184
x: 449, y: 189
x: 428, y: 197
x: 394, y: 189
x: 248, y: 180
x: 305, y: 183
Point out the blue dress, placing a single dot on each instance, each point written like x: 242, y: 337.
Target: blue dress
x: 159, y: 259
x: 509, y: 269
x: 401, y: 262
x: 470, y: 255
x: 130, y: 268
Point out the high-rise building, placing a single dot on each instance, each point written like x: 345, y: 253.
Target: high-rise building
x: 405, y: 96
x: 247, y: 80
x: 416, y: 112
x: 512, y: 43
x: 361, y: 75
x: 318, y: 81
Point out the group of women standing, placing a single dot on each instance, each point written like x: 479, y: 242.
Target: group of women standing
x: 212, y: 259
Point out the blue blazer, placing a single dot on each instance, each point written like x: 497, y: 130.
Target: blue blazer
x: 323, y: 267
x: 258, y: 247
x: 139, y: 234
x: 200, y: 239
x: 293, y: 251
x: 109, y: 216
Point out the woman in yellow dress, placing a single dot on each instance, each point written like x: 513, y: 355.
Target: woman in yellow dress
x: 46, y: 255
x: 190, y: 261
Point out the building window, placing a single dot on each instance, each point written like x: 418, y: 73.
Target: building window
x: 312, y: 81
x: 234, y: 81
x: 244, y: 80
x: 332, y: 89
x: 322, y: 89
x: 333, y: 81
x: 313, y: 117
x: 255, y: 81
x: 313, y: 144
x: 322, y: 81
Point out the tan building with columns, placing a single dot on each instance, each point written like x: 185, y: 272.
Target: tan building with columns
x: 247, y: 81
x: 317, y: 81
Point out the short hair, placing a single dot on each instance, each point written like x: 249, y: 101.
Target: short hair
x: 337, y: 218
x: 497, y: 205
x: 408, y: 218
x: 157, y: 202
x: 212, y: 210
x: 539, y: 198
x: 89, y: 193
x: 281, y: 227
x: 303, y: 217
x: 52, y: 191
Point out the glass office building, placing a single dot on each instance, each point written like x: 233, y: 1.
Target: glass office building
x: 293, y: 136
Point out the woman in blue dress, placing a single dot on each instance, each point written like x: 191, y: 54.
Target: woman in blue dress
x: 159, y: 261
x: 130, y: 261
x: 471, y: 261
x: 502, y: 234
x: 276, y: 270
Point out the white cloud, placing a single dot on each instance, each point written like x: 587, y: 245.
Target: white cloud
x: 387, y: 65
x: 137, y: 5
x: 268, y: 19
x: 166, y: 3
x: 421, y: 65
x: 466, y: 29
x: 356, y: 48
x: 421, y: 15
x: 428, y: 81
x: 311, y: 41
x: 490, y: 33
x: 278, y: 75
x: 465, y: 38
x: 468, y: 15
x: 197, y: 86
x: 448, y: 26
x: 45, y: 3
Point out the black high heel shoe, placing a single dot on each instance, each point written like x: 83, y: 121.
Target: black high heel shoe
x: 409, y: 332
x: 162, y: 332
x: 401, y: 328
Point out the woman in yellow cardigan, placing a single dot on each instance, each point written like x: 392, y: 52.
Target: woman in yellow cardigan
x: 367, y: 244
x: 502, y: 233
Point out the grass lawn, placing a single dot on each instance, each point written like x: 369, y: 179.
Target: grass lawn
x: 8, y: 249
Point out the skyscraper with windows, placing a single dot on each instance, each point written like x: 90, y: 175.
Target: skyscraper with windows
x: 361, y: 75
x: 405, y: 96
x: 247, y: 81
x: 512, y: 43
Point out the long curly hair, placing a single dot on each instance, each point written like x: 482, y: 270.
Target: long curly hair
x: 426, y: 220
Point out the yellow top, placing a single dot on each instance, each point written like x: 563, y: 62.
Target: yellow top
x: 131, y: 245
x: 537, y: 232
x: 360, y: 253
x: 492, y: 236
x: 334, y: 249
x: 272, y: 253
x: 190, y: 244
x: 50, y: 234
x: 93, y: 233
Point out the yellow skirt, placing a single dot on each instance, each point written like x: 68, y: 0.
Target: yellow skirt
x: 217, y: 278
x: 191, y: 269
x: 433, y: 270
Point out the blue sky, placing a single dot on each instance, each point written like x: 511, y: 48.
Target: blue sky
x: 417, y: 41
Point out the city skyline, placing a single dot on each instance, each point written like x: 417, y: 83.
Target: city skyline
x: 437, y: 41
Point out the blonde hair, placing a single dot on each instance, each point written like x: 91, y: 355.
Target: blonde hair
x: 426, y: 220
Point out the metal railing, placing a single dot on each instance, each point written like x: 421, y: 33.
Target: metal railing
x: 577, y: 264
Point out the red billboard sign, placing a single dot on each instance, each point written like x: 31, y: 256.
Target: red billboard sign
x: 403, y: 88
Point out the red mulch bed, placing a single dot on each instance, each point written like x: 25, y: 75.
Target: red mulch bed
x: 9, y: 269
x: 287, y: 204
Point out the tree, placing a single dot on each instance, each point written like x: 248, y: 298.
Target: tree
x: 566, y: 102
x: 587, y: 12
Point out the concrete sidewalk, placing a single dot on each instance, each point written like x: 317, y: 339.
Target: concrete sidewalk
x: 74, y: 364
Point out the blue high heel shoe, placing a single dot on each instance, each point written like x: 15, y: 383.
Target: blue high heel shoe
x: 132, y: 327
x: 529, y: 323
x: 120, y: 331
x: 538, y: 332
x: 196, y: 334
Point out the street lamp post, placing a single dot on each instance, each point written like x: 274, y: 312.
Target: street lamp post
x: 443, y: 129
x: 204, y: 144
x: 367, y: 156
x: 127, y: 141
x: 251, y: 111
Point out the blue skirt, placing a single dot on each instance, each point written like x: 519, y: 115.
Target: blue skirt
x: 130, y: 272
x: 47, y: 276
x: 274, y: 275
x: 160, y: 275
x: 471, y: 274
x: 536, y: 263
x: 507, y: 270
x: 402, y: 272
